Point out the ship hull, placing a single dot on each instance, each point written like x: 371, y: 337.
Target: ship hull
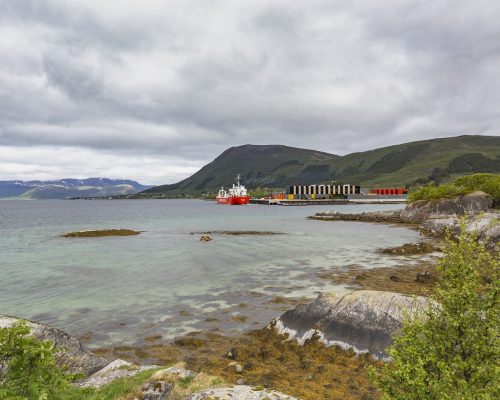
x: 233, y: 200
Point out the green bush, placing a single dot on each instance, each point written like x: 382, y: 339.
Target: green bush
x: 488, y: 183
x: 451, y: 350
x: 27, y: 366
x: 432, y: 192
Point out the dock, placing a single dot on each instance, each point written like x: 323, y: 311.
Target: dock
x: 328, y: 202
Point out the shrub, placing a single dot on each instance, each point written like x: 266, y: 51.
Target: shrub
x: 27, y: 366
x: 488, y: 183
x: 451, y: 350
x: 432, y: 192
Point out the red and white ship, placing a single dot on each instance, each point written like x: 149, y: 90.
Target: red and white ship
x: 235, y: 196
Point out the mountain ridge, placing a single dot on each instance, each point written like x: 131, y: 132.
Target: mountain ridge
x: 405, y: 164
x: 68, y: 188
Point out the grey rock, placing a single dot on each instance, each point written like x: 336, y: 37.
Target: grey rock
x: 114, y: 370
x: 181, y: 373
x: 156, y: 390
x: 485, y: 225
x: 471, y: 204
x: 362, y: 320
x: 71, y: 352
x: 240, y: 392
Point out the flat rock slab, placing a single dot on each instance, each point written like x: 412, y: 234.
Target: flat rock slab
x: 239, y: 392
x: 362, y: 320
x: 115, y: 370
x: 71, y: 352
x: 177, y: 372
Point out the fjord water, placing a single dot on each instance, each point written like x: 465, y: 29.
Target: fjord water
x: 119, y: 290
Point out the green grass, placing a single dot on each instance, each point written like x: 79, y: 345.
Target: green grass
x: 185, y: 382
x: 114, y: 391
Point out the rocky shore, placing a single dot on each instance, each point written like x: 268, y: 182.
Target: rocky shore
x: 313, y: 351
x: 437, y: 218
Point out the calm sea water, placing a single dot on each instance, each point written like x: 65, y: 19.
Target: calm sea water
x: 166, y: 282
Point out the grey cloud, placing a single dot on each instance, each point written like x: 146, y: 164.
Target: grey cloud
x: 193, y: 78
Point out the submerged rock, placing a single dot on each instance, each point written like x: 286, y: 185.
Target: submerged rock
x: 411, y: 249
x: 239, y: 233
x: 240, y: 392
x: 71, y: 352
x: 362, y: 320
x: 425, y: 277
x: 101, y: 233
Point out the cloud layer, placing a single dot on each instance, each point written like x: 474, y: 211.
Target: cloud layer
x: 152, y: 90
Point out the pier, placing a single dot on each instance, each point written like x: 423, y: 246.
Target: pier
x: 329, y: 202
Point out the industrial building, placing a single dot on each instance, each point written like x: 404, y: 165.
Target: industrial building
x: 321, y: 191
x: 389, y: 191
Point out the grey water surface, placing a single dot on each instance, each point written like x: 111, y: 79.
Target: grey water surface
x: 119, y: 290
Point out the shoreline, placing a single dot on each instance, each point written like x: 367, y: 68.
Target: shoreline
x: 266, y: 358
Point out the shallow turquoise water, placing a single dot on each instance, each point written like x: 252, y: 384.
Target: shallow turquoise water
x: 121, y: 289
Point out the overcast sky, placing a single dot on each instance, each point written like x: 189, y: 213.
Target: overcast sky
x: 153, y: 89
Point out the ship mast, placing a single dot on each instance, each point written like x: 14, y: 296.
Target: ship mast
x: 238, y: 181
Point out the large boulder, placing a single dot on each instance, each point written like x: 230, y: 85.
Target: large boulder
x: 471, y: 204
x: 362, y: 320
x: 485, y: 225
x: 71, y: 352
x: 240, y: 392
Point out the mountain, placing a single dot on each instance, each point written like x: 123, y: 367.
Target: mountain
x: 67, y: 188
x: 277, y: 166
x: 265, y: 166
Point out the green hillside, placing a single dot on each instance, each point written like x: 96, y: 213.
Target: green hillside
x: 276, y: 166
x: 268, y: 165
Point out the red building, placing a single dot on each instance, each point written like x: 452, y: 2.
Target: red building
x: 389, y: 191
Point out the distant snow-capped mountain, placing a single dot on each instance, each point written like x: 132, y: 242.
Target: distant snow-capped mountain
x: 67, y: 188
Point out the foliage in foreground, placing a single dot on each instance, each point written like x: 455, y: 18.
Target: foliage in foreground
x: 488, y: 183
x: 28, y: 372
x: 27, y: 366
x: 451, y: 350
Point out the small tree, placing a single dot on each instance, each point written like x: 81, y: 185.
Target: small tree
x: 452, y: 349
x: 27, y: 366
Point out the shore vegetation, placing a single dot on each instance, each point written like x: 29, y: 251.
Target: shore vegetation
x: 488, y: 183
x: 451, y: 350
x: 27, y: 367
